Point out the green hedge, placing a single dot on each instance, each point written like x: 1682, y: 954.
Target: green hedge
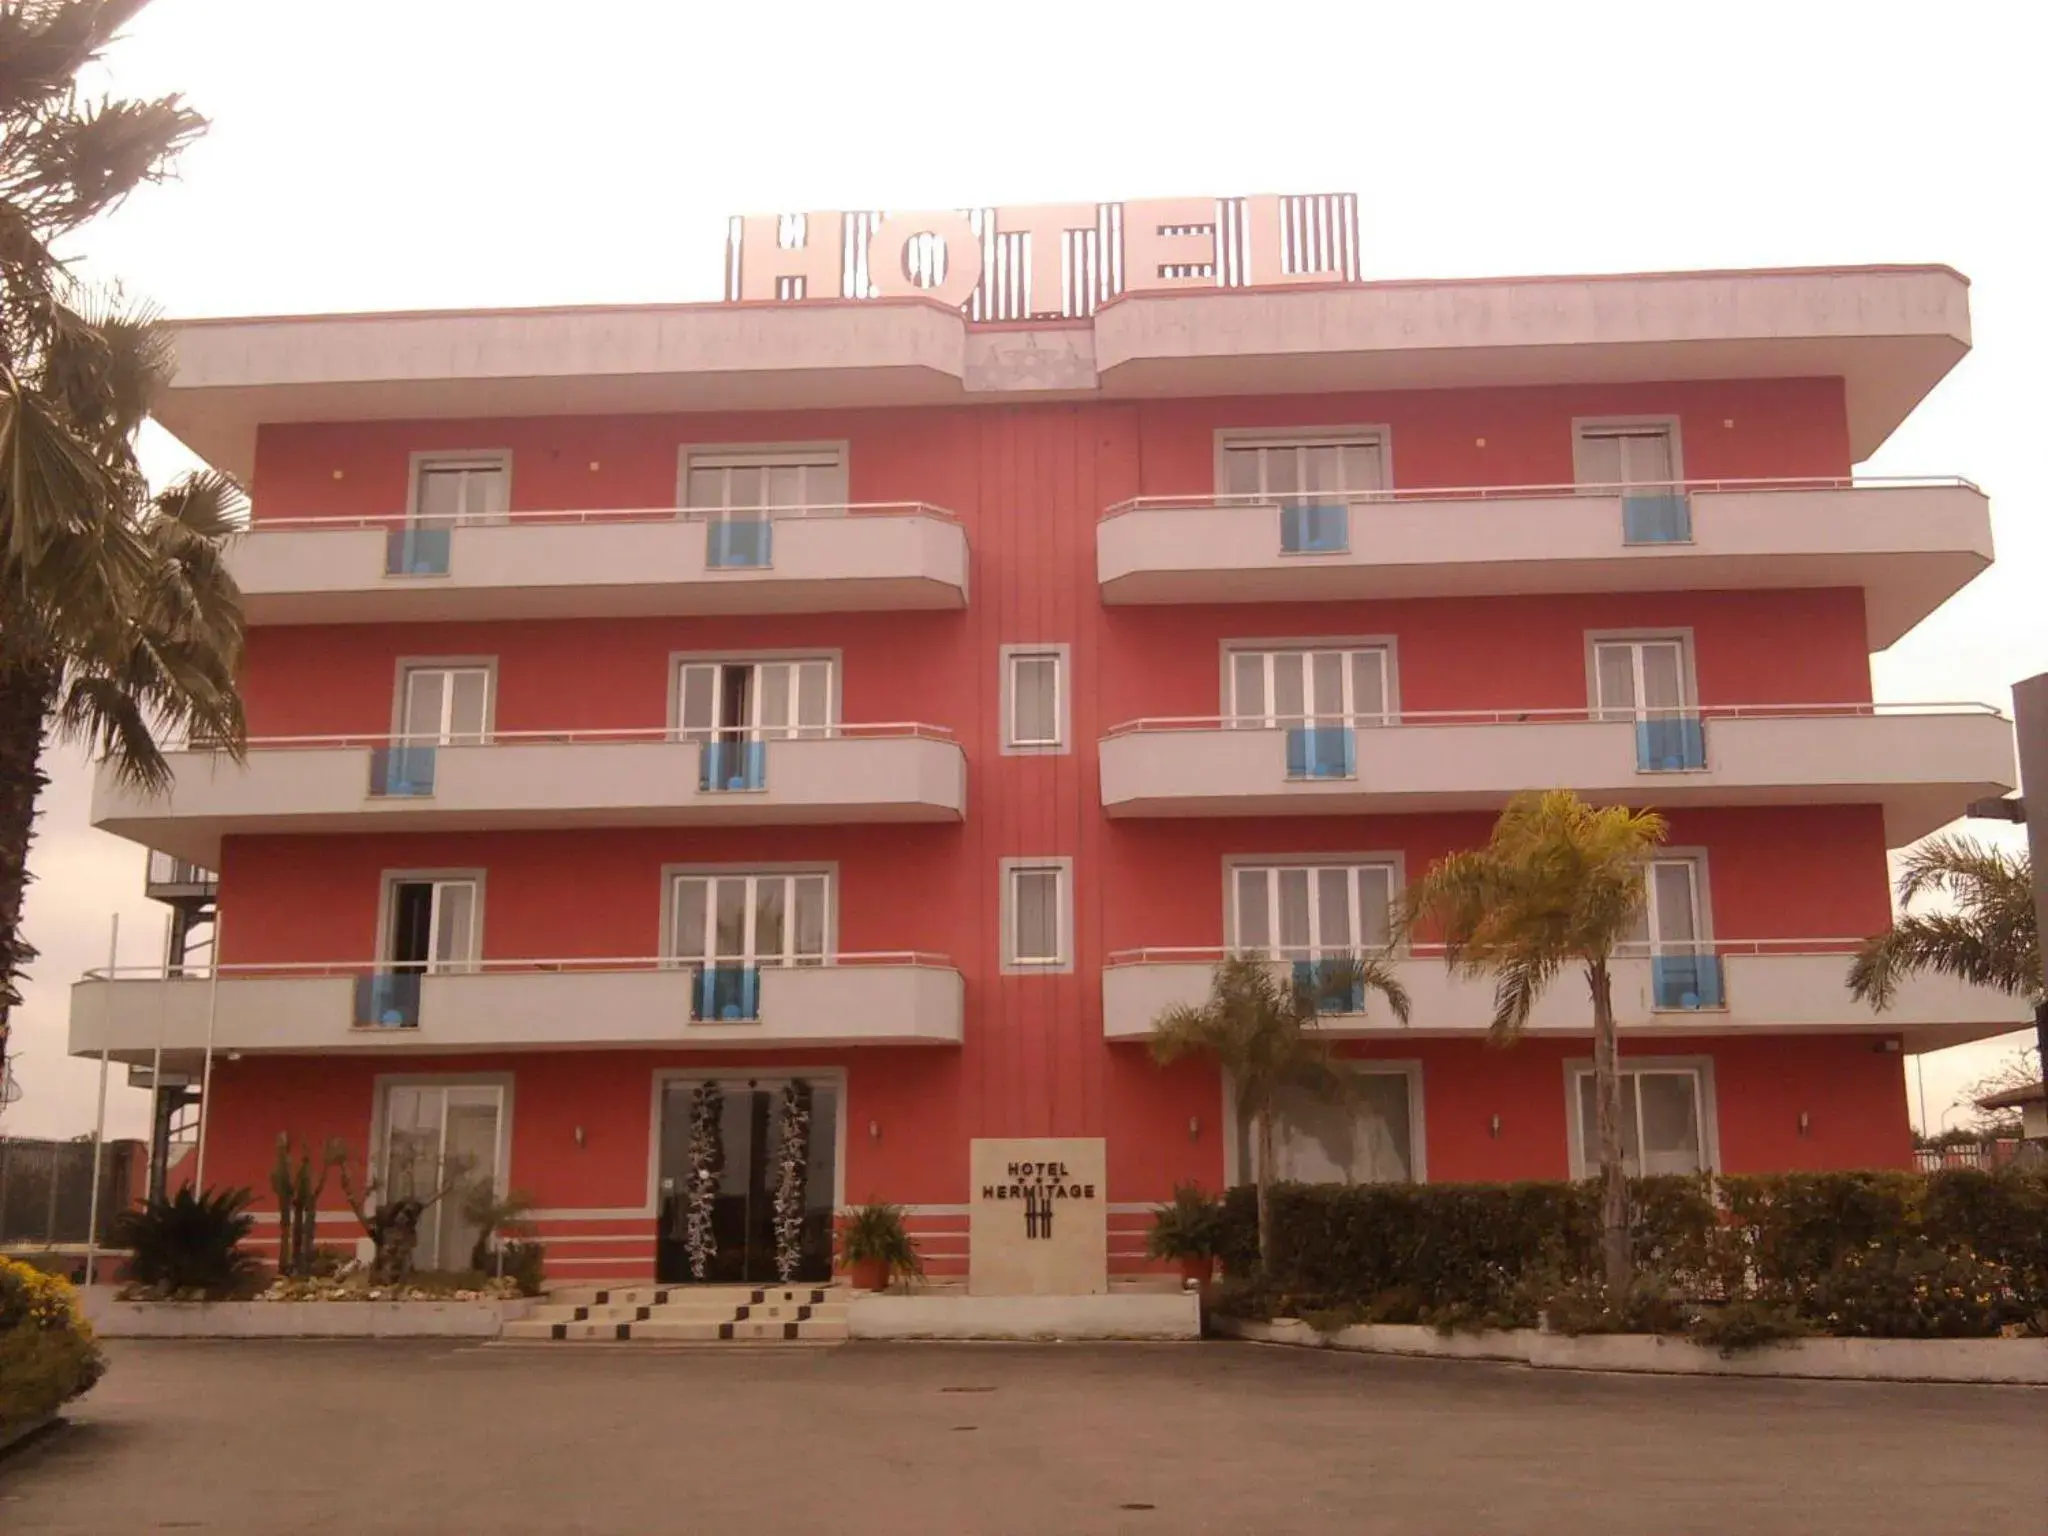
x: 1877, y: 1252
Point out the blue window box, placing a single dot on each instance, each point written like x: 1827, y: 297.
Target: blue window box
x: 1315, y: 528
x: 1322, y: 752
x: 401, y: 772
x: 1333, y: 993
x: 1663, y: 518
x: 1670, y: 744
x: 388, y: 1000
x: 726, y: 994
x: 1686, y: 981
x: 738, y: 543
x: 414, y: 551
x: 732, y: 765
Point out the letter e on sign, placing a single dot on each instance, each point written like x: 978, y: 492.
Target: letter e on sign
x: 1166, y: 237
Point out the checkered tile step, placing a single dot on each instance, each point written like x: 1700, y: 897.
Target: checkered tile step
x: 698, y: 1313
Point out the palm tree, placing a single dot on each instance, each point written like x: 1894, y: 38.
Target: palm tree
x: 1992, y: 938
x: 1560, y: 883
x: 121, y: 621
x: 1262, y: 1024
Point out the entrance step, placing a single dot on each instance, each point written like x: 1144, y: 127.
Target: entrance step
x: 694, y: 1313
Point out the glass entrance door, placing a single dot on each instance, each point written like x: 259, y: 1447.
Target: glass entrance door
x: 748, y: 1169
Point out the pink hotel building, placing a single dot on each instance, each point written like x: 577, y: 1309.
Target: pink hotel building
x: 909, y: 696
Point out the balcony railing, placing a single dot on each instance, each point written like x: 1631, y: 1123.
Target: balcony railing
x: 1668, y: 988
x: 893, y: 997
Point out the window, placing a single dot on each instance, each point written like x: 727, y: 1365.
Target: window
x: 1309, y: 911
x: 431, y: 924
x: 1327, y: 686
x: 1674, y: 917
x: 452, y: 490
x: 1034, y: 698
x: 754, y: 700
x: 1667, y: 1116
x: 1370, y: 1140
x: 444, y: 706
x: 1626, y: 453
x: 750, y: 919
x: 433, y: 1135
x: 1304, y: 468
x: 764, y: 478
x: 1642, y: 678
x: 1038, y: 919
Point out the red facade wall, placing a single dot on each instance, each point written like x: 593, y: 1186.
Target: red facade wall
x: 1029, y: 484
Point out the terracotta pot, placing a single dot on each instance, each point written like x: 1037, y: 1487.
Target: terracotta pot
x: 870, y: 1275
x: 1198, y: 1270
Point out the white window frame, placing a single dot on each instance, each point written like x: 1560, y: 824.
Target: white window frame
x: 441, y: 461
x: 672, y: 875
x: 680, y: 662
x: 1062, y: 868
x: 1584, y: 427
x: 1235, y: 1173
x: 380, y: 1119
x: 387, y: 916
x: 1354, y: 864
x: 1061, y: 657
x: 1346, y: 648
x: 1688, y: 680
x: 1228, y: 439
x: 1585, y: 1160
x: 409, y: 666
x: 763, y: 456
x: 1695, y: 862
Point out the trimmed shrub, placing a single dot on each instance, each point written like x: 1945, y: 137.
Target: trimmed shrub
x: 1735, y: 1326
x: 1916, y: 1291
x: 189, y: 1245
x: 47, y: 1353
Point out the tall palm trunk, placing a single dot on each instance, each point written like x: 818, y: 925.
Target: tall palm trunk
x: 27, y: 695
x: 1614, y: 1258
x: 1263, y: 1123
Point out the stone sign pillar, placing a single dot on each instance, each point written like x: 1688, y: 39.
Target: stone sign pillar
x: 1038, y: 1217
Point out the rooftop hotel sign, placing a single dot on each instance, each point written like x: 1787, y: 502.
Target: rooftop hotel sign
x: 1057, y: 260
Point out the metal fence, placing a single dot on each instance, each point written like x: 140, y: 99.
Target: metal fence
x: 46, y: 1189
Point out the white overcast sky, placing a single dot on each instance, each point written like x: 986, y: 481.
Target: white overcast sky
x: 392, y: 154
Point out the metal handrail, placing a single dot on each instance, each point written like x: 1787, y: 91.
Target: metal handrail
x: 316, y: 969
x: 1637, y: 950
x: 889, y: 729
x: 1572, y: 715
x: 1407, y: 493
x: 823, y: 509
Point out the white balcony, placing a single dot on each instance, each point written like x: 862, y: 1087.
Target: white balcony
x: 1922, y: 763
x: 866, y: 773
x: 1785, y: 986
x: 1908, y: 544
x: 613, y: 564
x: 881, y: 999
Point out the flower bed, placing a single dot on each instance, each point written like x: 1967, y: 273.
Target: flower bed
x: 47, y: 1353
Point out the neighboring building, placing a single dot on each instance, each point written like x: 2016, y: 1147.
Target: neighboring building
x: 2031, y: 1100
x: 1070, y: 654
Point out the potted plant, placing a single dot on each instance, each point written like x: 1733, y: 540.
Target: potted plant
x: 1188, y: 1229
x: 875, y: 1246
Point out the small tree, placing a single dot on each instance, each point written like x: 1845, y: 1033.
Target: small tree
x: 1560, y: 883
x: 495, y: 1217
x: 393, y: 1225
x: 1262, y: 1024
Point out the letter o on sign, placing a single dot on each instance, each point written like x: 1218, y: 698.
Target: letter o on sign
x: 889, y: 250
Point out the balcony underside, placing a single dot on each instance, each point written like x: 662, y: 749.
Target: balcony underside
x: 1788, y: 994
x: 1923, y: 770
x: 897, y: 1005
x: 1908, y: 548
x: 534, y: 786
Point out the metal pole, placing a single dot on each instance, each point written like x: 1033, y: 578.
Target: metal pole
x: 206, y: 1071
x: 99, y: 1125
x: 156, y: 1064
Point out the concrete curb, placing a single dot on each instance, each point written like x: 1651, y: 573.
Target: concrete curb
x: 1117, y: 1315
x: 301, y: 1319
x: 1979, y: 1361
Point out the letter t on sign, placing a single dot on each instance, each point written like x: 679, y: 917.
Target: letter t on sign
x: 1169, y: 232
x: 1046, y: 229
x: 765, y: 261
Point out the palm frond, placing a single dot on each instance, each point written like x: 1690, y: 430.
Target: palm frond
x: 1949, y: 944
